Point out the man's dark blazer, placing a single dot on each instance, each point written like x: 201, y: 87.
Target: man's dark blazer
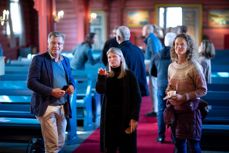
x: 40, y: 80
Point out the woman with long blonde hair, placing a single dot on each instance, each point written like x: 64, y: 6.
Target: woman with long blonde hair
x: 120, y: 105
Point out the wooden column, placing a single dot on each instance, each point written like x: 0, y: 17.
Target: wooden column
x: 82, y: 19
x: 41, y: 7
x: 106, y: 6
x: 87, y: 16
x: 122, y: 4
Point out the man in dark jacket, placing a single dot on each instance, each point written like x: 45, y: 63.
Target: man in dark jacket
x: 52, y: 84
x: 108, y: 44
x: 134, y: 58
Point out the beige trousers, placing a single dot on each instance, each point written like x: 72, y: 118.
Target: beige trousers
x: 53, y: 127
x: 153, y: 93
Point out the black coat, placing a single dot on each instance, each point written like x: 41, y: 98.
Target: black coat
x: 130, y: 106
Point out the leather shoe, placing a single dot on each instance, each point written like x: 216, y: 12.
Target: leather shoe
x: 151, y: 114
x: 160, y: 139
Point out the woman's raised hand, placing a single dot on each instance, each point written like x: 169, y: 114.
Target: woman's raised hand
x: 102, y: 72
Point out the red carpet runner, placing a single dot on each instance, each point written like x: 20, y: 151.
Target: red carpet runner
x: 147, y: 134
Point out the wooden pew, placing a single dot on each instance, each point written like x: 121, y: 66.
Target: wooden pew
x: 19, y: 129
x: 16, y: 121
x: 84, y: 104
x: 16, y: 69
x: 215, y: 134
x: 96, y: 107
x: 15, y: 106
x: 215, y: 137
x: 83, y: 99
x: 220, y: 80
x: 220, y: 77
x: 14, y: 77
x: 90, y: 73
x: 218, y: 104
x: 19, y: 62
x: 218, y: 87
x: 7, y: 84
x: 97, y: 100
x: 15, y: 103
x: 221, y: 57
x: 22, y: 130
x: 220, y: 67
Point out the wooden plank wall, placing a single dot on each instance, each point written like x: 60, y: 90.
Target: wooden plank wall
x: 75, y: 25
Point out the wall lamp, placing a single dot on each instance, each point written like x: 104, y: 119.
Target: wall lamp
x: 5, y: 17
x: 58, y: 16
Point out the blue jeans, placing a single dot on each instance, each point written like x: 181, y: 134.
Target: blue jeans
x: 161, y: 108
x: 192, y: 145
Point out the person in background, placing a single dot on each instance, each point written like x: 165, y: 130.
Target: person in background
x: 186, y: 84
x: 52, y: 84
x: 171, y: 29
x: 1, y: 50
x: 134, y: 57
x: 108, y: 44
x: 83, y: 53
x: 159, y: 33
x: 159, y: 69
x: 206, y: 53
x: 120, y: 106
x: 2, y: 61
x: 153, y: 46
x: 182, y: 29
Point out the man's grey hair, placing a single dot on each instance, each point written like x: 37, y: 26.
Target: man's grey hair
x: 56, y: 34
x: 169, y: 38
x: 124, y: 32
x: 149, y: 28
